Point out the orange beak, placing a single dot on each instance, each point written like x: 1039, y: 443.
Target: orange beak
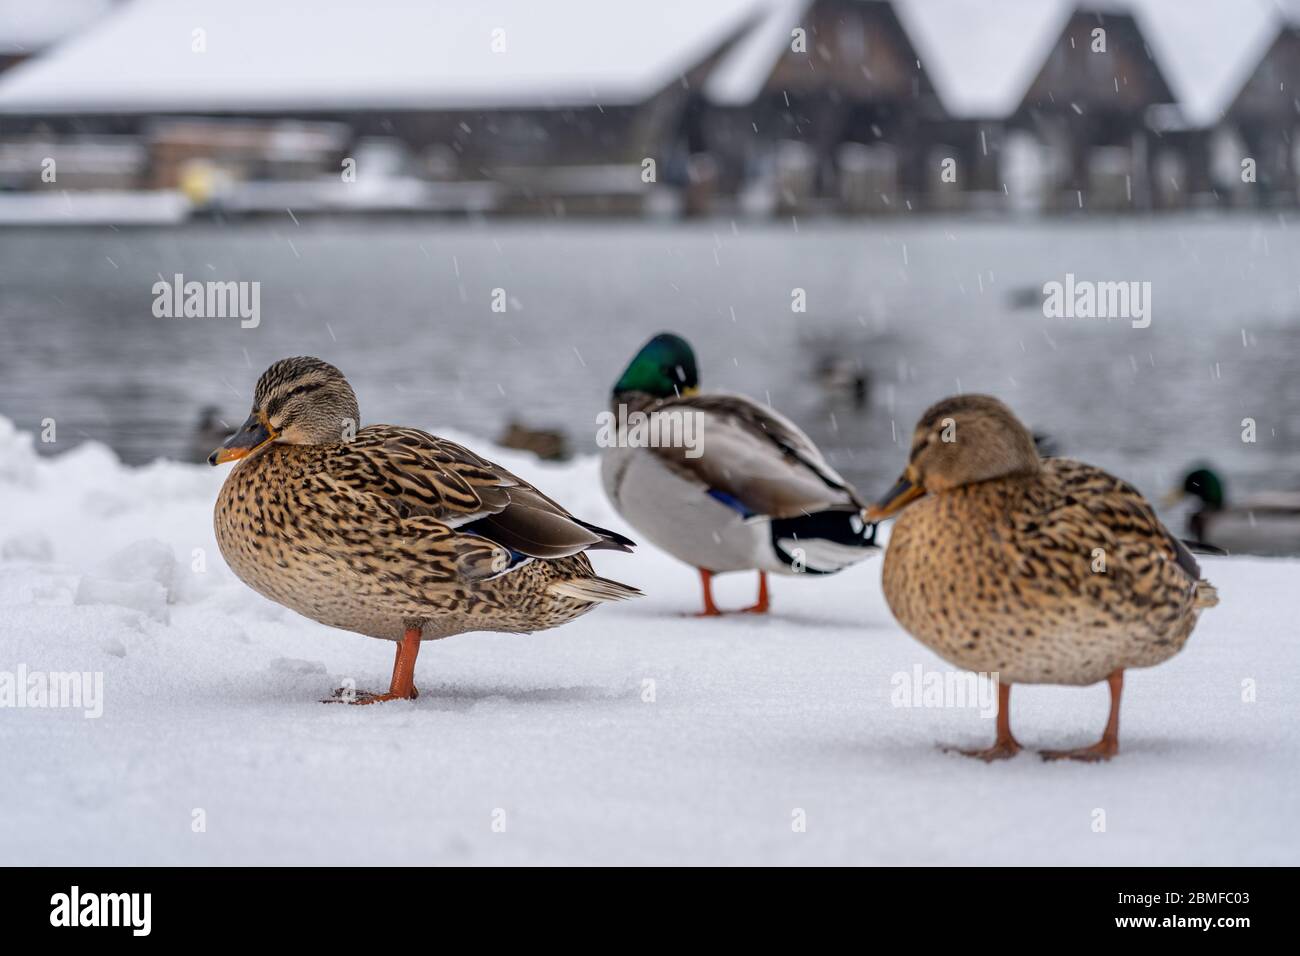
x: 896, y: 499
x: 252, y: 435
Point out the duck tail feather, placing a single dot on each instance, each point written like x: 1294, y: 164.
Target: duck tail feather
x: 1207, y: 595
x: 609, y: 540
x: 825, y: 541
x: 593, y: 589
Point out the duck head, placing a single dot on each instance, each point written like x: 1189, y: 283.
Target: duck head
x: 1202, y: 483
x: 298, y: 401
x: 960, y: 441
x: 664, y: 368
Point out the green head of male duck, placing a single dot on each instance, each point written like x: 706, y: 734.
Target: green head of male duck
x: 959, y: 441
x: 298, y: 401
x: 1201, y: 483
x: 664, y: 368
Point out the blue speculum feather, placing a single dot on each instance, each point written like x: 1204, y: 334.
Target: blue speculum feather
x: 516, y: 557
x: 731, y: 501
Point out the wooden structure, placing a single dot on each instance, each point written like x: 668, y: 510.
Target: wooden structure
x: 831, y: 113
x: 1090, y: 104
x: 1266, y: 116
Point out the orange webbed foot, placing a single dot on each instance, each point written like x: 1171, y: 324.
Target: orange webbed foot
x: 1003, y: 749
x: 712, y: 610
x: 1101, y: 750
x: 342, y: 695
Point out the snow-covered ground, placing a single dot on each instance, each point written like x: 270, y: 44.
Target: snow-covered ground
x: 210, y: 714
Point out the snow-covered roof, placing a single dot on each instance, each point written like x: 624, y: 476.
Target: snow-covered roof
x: 337, y: 54
x: 29, y: 26
x: 341, y: 54
x: 982, y: 56
x: 1207, y: 49
x: 1288, y: 10
x: 740, y: 75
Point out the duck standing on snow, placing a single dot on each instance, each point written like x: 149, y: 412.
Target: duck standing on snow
x: 1041, y: 571
x: 392, y: 532
x: 721, y: 482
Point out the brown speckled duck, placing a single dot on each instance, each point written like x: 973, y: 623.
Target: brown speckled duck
x: 392, y: 532
x: 1042, y: 571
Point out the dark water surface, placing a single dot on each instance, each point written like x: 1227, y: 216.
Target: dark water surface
x: 925, y: 309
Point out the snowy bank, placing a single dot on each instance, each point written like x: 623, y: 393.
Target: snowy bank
x: 631, y: 735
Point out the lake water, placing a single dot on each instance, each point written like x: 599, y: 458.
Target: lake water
x: 925, y: 308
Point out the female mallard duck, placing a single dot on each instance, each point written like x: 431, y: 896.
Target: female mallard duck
x: 721, y: 482
x: 1265, y: 523
x: 392, y: 532
x: 1042, y: 571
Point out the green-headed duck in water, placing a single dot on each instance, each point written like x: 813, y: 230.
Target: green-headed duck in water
x: 1266, y: 523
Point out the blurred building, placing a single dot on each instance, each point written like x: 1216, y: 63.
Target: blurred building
x: 518, y: 107
x: 1090, y: 105
x: 28, y: 29
x: 821, y: 106
x: 763, y: 106
x: 1266, y: 115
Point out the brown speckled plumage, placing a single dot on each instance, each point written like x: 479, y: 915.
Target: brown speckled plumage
x: 1040, y: 571
x: 998, y: 577
x: 395, y: 528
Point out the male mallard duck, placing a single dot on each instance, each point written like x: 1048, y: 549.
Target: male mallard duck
x: 392, y: 532
x: 1042, y: 571
x: 721, y: 482
x: 1265, y: 523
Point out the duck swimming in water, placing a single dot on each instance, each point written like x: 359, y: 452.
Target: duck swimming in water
x: 1265, y: 523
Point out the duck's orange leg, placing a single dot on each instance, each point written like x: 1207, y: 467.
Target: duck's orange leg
x: 1005, y: 745
x: 1108, y: 746
x: 402, y: 686
x: 710, y: 609
x: 763, y: 603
